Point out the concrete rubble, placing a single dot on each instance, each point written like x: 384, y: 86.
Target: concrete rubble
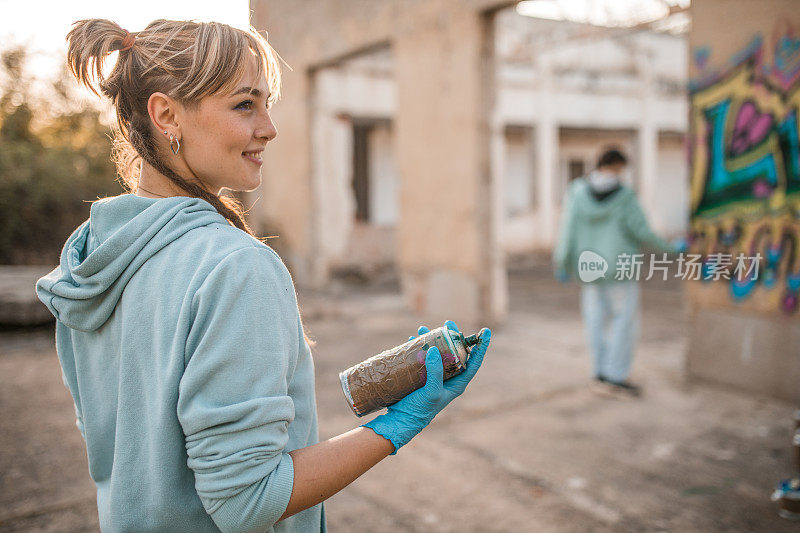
x: 19, y: 305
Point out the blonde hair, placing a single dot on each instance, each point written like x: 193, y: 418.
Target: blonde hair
x: 187, y: 60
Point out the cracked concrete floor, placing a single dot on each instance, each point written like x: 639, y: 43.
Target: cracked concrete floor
x: 528, y: 448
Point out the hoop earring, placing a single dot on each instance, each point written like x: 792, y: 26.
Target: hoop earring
x: 177, y: 141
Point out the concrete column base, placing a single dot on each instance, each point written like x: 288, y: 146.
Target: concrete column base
x: 443, y: 295
x: 19, y: 305
x: 760, y: 354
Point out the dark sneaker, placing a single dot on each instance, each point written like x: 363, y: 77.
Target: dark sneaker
x: 599, y: 385
x: 625, y: 388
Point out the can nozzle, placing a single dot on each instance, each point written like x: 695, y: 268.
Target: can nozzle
x: 472, y: 340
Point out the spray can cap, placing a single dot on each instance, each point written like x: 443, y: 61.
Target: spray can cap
x: 472, y: 340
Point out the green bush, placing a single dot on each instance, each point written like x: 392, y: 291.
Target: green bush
x: 55, y: 158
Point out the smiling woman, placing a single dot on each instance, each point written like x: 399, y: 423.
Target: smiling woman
x: 179, y: 335
x: 175, y: 87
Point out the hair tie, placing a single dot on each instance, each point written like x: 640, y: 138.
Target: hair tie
x: 127, y: 41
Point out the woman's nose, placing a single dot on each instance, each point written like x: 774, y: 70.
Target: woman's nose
x: 267, y: 130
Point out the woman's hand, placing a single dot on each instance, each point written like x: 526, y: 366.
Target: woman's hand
x: 322, y: 470
x: 410, y: 415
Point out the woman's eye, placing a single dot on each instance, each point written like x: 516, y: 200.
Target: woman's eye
x: 247, y: 104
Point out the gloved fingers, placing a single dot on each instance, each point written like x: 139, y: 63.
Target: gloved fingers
x: 451, y: 325
x: 484, y: 337
x: 434, y: 369
x: 459, y: 383
x: 420, y: 331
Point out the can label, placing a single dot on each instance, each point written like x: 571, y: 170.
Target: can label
x: 389, y: 376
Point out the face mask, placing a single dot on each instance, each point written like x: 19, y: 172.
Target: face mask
x: 601, y: 180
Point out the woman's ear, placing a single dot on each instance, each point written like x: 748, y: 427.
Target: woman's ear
x: 163, y: 112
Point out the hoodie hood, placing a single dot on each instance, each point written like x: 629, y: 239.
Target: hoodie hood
x: 104, y: 252
x: 599, y: 210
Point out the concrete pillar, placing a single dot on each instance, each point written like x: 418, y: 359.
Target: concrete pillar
x: 546, y: 134
x: 647, y: 147
x: 498, y: 281
x: 751, y: 341
x: 448, y: 252
x: 331, y: 177
x: 317, y: 274
x: 647, y: 141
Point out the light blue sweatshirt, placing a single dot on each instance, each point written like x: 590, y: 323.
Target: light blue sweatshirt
x: 611, y: 227
x: 180, y: 340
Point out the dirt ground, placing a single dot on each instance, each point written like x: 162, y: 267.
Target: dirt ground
x: 529, y: 447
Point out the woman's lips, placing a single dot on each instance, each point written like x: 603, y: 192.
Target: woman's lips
x: 255, y: 157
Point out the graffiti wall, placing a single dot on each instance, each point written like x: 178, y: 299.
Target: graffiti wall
x: 745, y: 164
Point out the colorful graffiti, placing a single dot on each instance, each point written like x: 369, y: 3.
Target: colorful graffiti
x: 745, y: 162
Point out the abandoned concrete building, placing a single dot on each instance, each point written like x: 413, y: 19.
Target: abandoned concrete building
x: 558, y: 93
x: 438, y: 137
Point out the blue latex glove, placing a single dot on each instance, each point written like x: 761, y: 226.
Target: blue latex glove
x: 680, y: 244
x: 404, y: 419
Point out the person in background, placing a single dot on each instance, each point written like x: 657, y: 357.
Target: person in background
x: 602, y: 215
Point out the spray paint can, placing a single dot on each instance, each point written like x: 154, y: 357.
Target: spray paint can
x: 385, y: 378
x: 788, y: 497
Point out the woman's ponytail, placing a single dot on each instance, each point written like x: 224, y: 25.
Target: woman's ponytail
x: 89, y: 42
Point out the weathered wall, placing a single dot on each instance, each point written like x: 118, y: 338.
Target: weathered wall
x: 361, y: 90
x: 448, y: 251
x: 745, y: 191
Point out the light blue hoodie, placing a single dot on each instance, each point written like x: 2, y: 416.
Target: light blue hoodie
x: 613, y: 227
x: 180, y: 340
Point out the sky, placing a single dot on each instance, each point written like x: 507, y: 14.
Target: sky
x: 43, y: 26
